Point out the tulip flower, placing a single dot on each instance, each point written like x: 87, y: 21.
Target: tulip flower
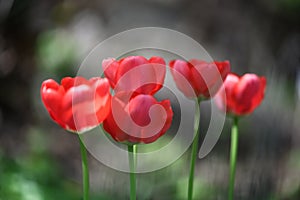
x: 135, y: 73
x: 77, y: 105
x: 199, y: 80
x: 241, y: 95
x: 138, y: 119
x: 204, y: 78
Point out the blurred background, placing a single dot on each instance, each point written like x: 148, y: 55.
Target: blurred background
x: 49, y: 39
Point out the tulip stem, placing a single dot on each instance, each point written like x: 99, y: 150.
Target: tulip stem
x: 132, y: 149
x: 85, y: 170
x: 194, y: 150
x: 233, y: 155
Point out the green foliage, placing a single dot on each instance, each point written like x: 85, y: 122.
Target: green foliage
x: 34, y: 176
x: 56, y: 52
x: 202, y: 189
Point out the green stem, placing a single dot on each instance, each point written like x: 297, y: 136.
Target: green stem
x: 85, y: 170
x: 132, y: 149
x: 233, y: 155
x: 194, y: 150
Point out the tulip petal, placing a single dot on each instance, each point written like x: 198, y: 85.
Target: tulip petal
x: 245, y: 91
x: 67, y: 83
x: 182, y: 77
x: 110, y: 67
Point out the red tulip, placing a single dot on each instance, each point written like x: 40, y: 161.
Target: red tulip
x: 77, y: 104
x: 135, y: 73
x: 139, y: 119
x: 243, y: 94
x: 198, y: 78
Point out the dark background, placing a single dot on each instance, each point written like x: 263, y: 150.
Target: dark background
x: 49, y: 39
